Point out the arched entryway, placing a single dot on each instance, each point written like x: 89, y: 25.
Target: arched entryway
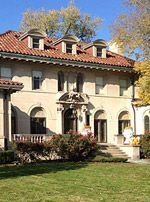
x: 70, y: 120
x: 100, y: 126
x: 38, y: 121
x: 123, y: 121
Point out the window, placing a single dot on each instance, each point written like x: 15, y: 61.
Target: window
x: 99, y: 85
x: 36, y: 43
x: 60, y: 81
x: 38, y: 121
x: 68, y: 48
x: 5, y: 73
x: 79, y: 82
x: 123, y: 87
x: 87, y: 119
x: 36, y: 80
x: 146, y: 124
x: 123, y: 121
x: 13, y: 121
x: 99, y: 52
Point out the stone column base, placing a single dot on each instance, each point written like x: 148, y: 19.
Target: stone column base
x: 2, y: 143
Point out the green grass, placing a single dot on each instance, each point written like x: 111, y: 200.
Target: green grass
x: 75, y: 182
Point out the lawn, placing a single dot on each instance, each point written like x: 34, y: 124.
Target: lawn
x: 75, y: 182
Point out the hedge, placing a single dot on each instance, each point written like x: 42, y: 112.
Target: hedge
x: 7, y: 156
x: 145, y: 146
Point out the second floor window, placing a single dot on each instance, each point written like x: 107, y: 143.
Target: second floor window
x: 99, y: 85
x: 79, y: 84
x: 60, y: 81
x: 36, y: 80
x: 123, y: 87
x: 5, y: 73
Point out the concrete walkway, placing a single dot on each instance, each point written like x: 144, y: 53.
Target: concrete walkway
x: 139, y: 161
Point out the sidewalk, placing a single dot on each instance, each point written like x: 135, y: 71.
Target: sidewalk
x: 139, y: 161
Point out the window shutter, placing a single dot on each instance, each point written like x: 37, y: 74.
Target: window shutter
x: 103, y: 52
x: 94, y: 51
x: 63, y: 47
x: 74, y: 49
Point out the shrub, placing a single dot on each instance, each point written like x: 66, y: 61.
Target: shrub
x: 104, y: 159
x: 7, y: 157
x: 74, y: 146
x: 32, y: 152
x: 145, y: 146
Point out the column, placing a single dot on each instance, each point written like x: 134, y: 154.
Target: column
x: 1, y: 121
x: 60, y: 109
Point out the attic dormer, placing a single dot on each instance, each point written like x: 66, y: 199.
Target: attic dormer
x: 34, y: 39
x: 96, y: 48
x: 67, y: 44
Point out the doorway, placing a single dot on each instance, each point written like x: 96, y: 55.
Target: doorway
x: 70, y: 120
x: 100, y: 130
x: 100, y: 126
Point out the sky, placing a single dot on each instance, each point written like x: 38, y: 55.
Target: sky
x: 11, y: 12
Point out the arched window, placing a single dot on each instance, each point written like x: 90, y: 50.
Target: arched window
x: 38, y: 121
x: 123, y: 121
x: 79, y: 82
x: 60, y: 81
x: 146, y: 124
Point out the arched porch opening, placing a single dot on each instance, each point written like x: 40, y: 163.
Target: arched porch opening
x: 38, y: 121
x: 100, y: 126
x: 124, y: 121
x: 70, y: 120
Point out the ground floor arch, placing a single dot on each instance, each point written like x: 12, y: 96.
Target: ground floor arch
x: 70, y: 120
x: 100, y: 126
x: 38, y: 121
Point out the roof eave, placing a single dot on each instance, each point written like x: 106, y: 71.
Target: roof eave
x: 50, y: 60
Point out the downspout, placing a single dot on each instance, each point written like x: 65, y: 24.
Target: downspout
x: 132, y: 104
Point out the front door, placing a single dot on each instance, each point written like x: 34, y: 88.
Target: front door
x: 100, y: 130
x: 70, y: 121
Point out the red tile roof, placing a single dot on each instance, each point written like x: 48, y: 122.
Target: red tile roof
x: 9, y: 43
x: 10, y: 82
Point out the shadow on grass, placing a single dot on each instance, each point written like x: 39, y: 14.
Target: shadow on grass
x: 38, y: 168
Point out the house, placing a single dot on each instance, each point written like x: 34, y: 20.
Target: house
x: 67, y: 84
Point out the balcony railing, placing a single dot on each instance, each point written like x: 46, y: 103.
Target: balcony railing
x: 31, y: 137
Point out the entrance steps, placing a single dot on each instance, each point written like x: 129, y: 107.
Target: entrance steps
x: 110, y: 150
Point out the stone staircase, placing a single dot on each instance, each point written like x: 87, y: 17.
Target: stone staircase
x: 110, y: 150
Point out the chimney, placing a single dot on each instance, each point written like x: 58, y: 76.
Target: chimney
x: 113, y: 47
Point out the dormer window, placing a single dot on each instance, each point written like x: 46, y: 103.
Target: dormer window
x: 36, y: 42
x: 99, y: 52
x: 68, y: 44
x: 35, y: 38
x: 96, y: 48
x: 68, y: 48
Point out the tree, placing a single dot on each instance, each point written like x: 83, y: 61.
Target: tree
x: 47, y: 21
x: 60, y: 22
x: 131, y: 31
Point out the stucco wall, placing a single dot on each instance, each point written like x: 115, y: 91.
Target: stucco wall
x: 25, y: 100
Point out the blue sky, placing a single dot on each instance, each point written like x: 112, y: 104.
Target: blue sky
x: 11, y: 12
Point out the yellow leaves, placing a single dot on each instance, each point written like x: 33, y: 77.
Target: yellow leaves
x: 144, y: 81
x: 132, y: 29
